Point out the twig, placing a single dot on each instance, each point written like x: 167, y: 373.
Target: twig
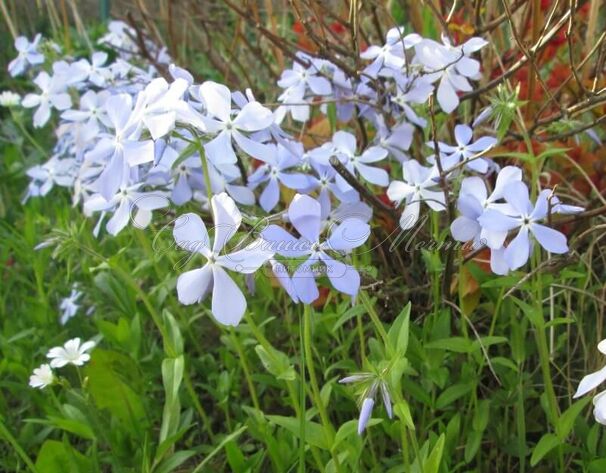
x: 521, y: 62
x: 368, y: 196
x: 447, y: 201
x: 140, y: 40
x: 491, y: 25
x: 572, y: 132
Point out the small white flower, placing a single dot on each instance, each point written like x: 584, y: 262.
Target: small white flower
x: 42, y: 377
x: 70, y: 353
x: 9, y: 99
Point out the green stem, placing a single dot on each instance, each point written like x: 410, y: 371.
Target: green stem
x: 209, y: 192
x: 375, y: 319
x: 302, y: 410
x: 26, y: 133
x: 315, y: 390
x: 297, y: 401
x: 244, y: 364
x: 539, y: 328
x: 201, y: 412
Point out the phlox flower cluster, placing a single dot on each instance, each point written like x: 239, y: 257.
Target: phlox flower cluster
x: 132, y: 140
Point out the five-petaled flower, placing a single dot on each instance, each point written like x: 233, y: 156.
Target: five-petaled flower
x: 72, y: 353
x: 228, y: 303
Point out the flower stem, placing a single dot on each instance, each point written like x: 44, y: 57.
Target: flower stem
x: 375, y: 318
x: 204, y: 159
x: 315, y: 390
x: 27, y: 134
x: 302, y: 410
x: 244, y: 364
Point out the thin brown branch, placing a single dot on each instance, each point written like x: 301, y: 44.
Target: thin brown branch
x: 363, y: 191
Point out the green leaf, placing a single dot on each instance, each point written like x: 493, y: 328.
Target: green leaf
x: 566, y: 421
x: 349, y: 314
x: 432, y: 464
x: 547, y: 443
x: 488, y: 341
x: 597, y: 466
x: 451, y: 394
x: 235, y: 457
x: 481, y: 416
x: 456, y: 344
x: 398, y: 333
x: 402, y: 411
x: 314, y: 432
x: 501, y: 281
x: 532, y: 313
x: 559, y: 321
x: 172, y: 376
x: 276, y: 362
x: 173, y: 343
x: 230, y: 438
x: 75, y: 427
x: 350, y: 429
x: 472, y: 445
x: 174, y: 461
x: 109, y: 382
x: 60, y: 457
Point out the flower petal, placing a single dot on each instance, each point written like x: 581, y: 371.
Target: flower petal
x: 365, y: 413
x: 281, y: 274
x: 590, y: 381
x: 120, y: 218
x: 228, y: 304
x: 253, y: 148
x: 343, y: 277
x: 463, y: 134
x: 227, y: 219
x: 349, y: 234
x: 217, y: 99
x: 253, y: 117
x: 464, y: 229
x: 550, y: 239
x: 498, y: 265
x: 270, y: 196
x: 220, y: 150
x: 447, y: 97
x: 304, y: 282
x: 474, y: 186
x: 516, y: 193
x: 410, y: 216
x: 496, y: 221
x: 190, y: 234
x: 193, y: 286
x: 249, y: 259
x: 304, y: 214
x: 518, y: 251
x: 372, y: 174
